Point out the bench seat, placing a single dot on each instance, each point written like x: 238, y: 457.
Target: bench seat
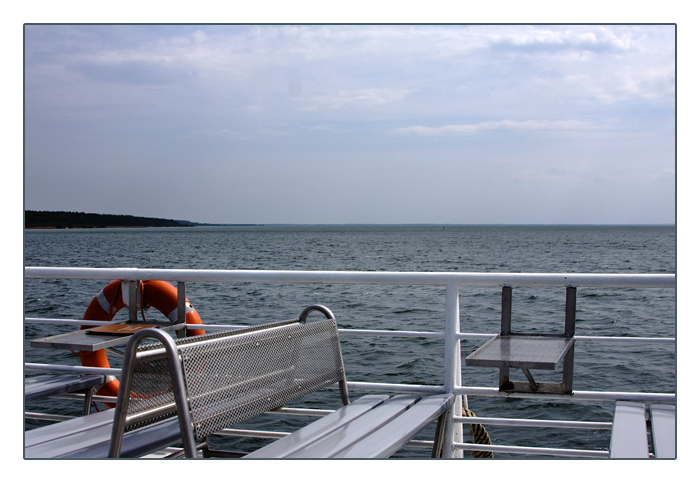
x: 90, y: 436
x: 371, y: 427
x: 663, y: 424
x: 51, y: 385
x: 628, y: 438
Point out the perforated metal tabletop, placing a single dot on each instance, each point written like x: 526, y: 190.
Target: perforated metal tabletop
x: 81, y: 340
x: 522, y: 351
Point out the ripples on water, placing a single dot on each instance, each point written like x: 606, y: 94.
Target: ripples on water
x: 579, y: 249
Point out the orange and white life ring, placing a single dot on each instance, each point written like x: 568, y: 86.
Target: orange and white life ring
x: 114, y: 297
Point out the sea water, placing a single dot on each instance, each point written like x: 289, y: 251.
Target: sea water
x: 432, y: 248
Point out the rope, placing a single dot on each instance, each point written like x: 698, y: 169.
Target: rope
x: 479, y: 434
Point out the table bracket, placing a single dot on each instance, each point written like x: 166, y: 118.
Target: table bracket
x: 533, y: 385
x: 510, y: 350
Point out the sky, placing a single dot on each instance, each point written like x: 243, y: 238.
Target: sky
x: 295, y: 123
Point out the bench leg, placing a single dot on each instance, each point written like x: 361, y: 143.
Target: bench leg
x: 439, y: 442
x: 88, y: 401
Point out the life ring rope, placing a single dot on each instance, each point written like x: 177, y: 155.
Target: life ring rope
x: 478, y: 432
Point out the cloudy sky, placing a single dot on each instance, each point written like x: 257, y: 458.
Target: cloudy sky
x: 352, y: 123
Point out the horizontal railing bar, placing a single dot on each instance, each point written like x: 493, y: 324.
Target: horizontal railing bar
x: 291, y: 411
x: 110, y: 371
x: 302, y: 412
x: 47, y: 417
x: 496, y: 448
x: 362, y: 277
x: 576, y: 395
x: 463, y: 336
x: 392, y: 333
x: 81, y: 397
x: 414, y: 388
x: 373, y: 332
x: 31, y: 320
x: 251, y: 433
x: 535, y: 423
x: 640, y: 340
x: 409, y: 388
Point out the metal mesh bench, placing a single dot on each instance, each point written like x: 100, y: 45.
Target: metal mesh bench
x: 212, y: 382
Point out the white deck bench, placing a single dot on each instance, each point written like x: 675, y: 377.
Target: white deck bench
x: 90, y: 437
x: 663, y: 430
x: 629, y: 437
x: 185, y: 390
x: 371, y: 427
x: 39, y: 387
x: 51, y: 385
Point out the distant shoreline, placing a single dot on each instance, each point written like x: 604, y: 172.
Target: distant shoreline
x: 136, y: 226
x: 57, y: 220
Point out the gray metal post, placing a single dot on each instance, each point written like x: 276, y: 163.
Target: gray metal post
x: 506, y: 307
x: 181, y: 307
x: 181, y: 302
x: 570, y: 318
x: 506, y: 311
x: 453, y: 372
x: 569, y: 331
x: 133, y: 301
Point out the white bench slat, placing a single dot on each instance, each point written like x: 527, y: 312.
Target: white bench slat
x: 45, y: 386
x: 391, y: 437
x: 89, y: 437
x: 371, y: 427
x: 57, y: 439
x: 348, y: 433
x: 137, y: 443
x: 663, y: 425
x: 628, y: 437
x: 318, y: 429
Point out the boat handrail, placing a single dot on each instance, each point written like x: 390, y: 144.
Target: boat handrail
x: 452, y: 334
x: 387, y: 333
x: 610, y: 280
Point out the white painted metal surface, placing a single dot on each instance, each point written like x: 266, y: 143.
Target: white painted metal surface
x: 390, y: 278
x: 629, y: 432
x: 663, y: 424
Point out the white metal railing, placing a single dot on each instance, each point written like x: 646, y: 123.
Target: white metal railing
x: 452, y: 334
x: 342, y: 277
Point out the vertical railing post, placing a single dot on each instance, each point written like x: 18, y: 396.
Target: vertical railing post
x: 453, y: 371
x: 181, y: 308
x: 506, y: 313
x: 569, y: 331
x: 133, y: 301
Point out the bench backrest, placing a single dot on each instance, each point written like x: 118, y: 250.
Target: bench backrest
x: 228, y: 377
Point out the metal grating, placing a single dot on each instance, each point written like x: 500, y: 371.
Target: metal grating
x: 522, y: 351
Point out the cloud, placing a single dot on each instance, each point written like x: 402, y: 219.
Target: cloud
x: 504, y: 125
x: 553, y: 39
x: 357, y: 98
x: 139, y: 72
x: 279, y: 104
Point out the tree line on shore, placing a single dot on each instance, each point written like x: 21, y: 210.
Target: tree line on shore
x: 70, y: 219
